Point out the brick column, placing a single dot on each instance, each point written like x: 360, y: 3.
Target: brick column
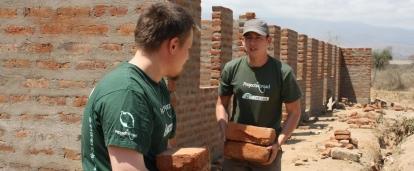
x: 274, y: 47
x: 356, y: 74
x: 221, y: 51
x: 205, y: 59
x: 312, y: 84
x: 338, y: 70
x: 302, y: 68
x: 327, y: 82
x: 289, y: 48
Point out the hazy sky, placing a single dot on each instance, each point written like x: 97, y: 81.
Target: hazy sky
x: 368, y: 23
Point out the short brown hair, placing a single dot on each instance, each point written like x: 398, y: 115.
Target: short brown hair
x: 162, y: 21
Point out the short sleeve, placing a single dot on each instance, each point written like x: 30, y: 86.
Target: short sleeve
x: 290, y: 88
x: 225, y: 86
x: 126, y: 120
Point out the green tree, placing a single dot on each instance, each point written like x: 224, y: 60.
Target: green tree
x: 382, y: 58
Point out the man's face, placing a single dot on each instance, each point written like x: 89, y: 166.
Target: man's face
x: 255, y: 44
x: 180, y: 57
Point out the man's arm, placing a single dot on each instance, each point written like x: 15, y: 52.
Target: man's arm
x: 124, y: 159
x: 222, y: 114
x: 294, y: 112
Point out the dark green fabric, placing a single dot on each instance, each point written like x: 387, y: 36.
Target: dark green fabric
x: 258, y: 91
x: 126, y: 109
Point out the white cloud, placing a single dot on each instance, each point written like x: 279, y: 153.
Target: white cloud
x: 385, y: 13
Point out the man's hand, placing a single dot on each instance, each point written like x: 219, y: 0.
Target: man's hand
x: 274, y: 149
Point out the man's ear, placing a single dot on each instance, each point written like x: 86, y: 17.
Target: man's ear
x: 269, y: 39
x: 173, y: 45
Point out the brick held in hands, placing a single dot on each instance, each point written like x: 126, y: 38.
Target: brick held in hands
x: 251, y: 134
x: 184, y: 159
x: 246, y: 152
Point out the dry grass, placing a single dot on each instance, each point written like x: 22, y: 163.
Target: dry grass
x: 394, y: 77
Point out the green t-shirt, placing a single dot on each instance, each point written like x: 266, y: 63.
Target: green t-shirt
x: 126, y: 109
x: 258, y: 91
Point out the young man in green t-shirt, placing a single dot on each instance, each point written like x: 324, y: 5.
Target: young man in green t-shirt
x: 129, y: 119
x: 259, y: 84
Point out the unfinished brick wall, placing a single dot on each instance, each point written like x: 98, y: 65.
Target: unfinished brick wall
x: 52, y: 55
x: 356, y: 74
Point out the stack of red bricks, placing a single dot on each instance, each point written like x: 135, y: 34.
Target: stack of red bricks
x: 184, y: 159
x: 341, y: 139
x: 362, y: 120
x: 248, y: 143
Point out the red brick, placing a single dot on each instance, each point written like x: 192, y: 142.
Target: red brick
x: 342, y: 137
x: 18, y: 98
x: 38, y: 47
x: 99, y: 10
x: 100, y: 29
x: 77, y: 48
x: 56, y: 28
x: 70, y: 118
x: 8, y: 13
x: 332, y: 144
x: 5, y: 116
x: 71, y: 154
x: 251, y: 134
x: 34, y: 117
x: 46, y: 100
x: 246, y: 152
x: 342, y: 132
x: 118, y: 11
x: 126, y: 29
x: 73, y: 11
x: 47, y: 151
x: 111, y: 46
x: 8, y: 47
x: 17, y: 63
x: 91, y: 65
x: 19, y: 30
x: 71, y: 84
x: 51, y: 65
x: 5, y: 148
x: 36, y: 83
x: 42, y: 12
x: 80, y: 101
x: 22, y: 133
x: 184, y: 159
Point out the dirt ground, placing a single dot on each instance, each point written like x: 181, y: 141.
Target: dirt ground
x: 302, y: 151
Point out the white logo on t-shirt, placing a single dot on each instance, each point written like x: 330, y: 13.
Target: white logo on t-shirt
x: 249, y: 96
x: 261, y: 87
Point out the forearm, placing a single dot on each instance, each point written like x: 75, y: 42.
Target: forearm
x: 222, y: 116
x: 221, y: 112
x: 291, y: 122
